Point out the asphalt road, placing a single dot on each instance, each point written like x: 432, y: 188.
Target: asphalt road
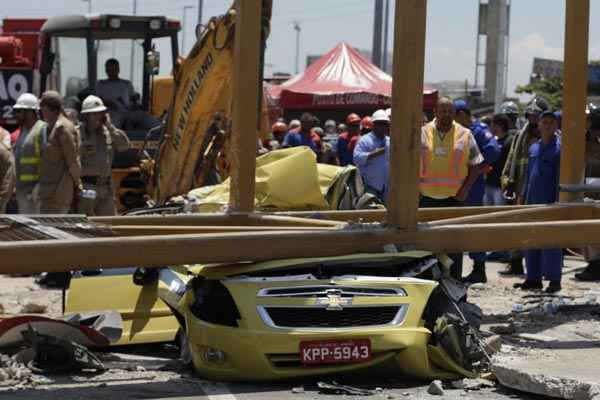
x: 196, y: 389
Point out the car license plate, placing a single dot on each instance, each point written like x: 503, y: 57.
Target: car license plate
x: 335, y: 351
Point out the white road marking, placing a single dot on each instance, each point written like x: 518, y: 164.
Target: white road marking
x: 217, y: 391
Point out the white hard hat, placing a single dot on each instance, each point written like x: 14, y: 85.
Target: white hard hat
x: 27, y: 101
x: 381, y: 116
x: 295, y: 123
x: 92, y: 104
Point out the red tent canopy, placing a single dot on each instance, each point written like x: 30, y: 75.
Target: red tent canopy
x: 342, y: 78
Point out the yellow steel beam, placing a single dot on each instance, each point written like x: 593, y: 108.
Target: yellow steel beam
x: 423, y: 214
x: 246, y: 87
x: 139, y: 230
x: 407, y: 112
x: 233, y: 219
x: 63, y: 255
x: 572, y: 163
x: 554, y: 212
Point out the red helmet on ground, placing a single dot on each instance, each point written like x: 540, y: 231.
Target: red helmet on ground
x: 279, y: 127
x: 366, y: 123
x: 352, y: 119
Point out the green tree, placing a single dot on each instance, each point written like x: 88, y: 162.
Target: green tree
x: 551, y: 89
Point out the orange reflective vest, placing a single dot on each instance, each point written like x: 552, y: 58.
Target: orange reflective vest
x: 444, y: 161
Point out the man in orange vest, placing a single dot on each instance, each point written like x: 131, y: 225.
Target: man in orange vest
x: 450, y: 164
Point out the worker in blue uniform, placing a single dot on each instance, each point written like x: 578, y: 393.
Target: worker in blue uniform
x: 491, y: 151
x: 541, y: 187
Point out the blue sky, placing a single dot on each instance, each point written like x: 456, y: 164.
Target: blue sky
x: 537, y: 29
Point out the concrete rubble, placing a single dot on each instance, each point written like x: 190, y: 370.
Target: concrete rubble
x: 33, y: 308
x: 16, y: 375
x: 436, y: 388
x: 555, y: 376
x: 472, y: 384
x: 553, y: 351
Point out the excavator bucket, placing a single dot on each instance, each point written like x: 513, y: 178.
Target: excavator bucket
x: 203, y: 87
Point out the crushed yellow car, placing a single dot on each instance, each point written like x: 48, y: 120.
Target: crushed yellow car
x: 390, y: 314
x: 317, y: 316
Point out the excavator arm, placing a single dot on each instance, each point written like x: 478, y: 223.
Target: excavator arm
x: 195, y: 133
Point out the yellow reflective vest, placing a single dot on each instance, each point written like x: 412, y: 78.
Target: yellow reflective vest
x: 444, y: 161
x: 30, y: 155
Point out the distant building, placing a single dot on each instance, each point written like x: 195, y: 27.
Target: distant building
x: 547, y: 69
x: 277, y: 78
x: 544, y: 68
x: 456, y: 89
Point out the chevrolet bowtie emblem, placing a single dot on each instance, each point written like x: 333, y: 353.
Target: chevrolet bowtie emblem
x: 334, y: 300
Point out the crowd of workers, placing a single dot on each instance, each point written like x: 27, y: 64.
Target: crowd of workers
x: 56, y: 162
x: 55, y: 165
x: 61, y: 163
x: 464, y: 161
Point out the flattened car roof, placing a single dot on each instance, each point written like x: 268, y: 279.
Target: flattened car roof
x: 224, y: 270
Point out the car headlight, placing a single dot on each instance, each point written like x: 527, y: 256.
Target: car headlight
x: 214, y: 356
x: 114, y: 23
x: 155, y: 24
x: 213, y: 303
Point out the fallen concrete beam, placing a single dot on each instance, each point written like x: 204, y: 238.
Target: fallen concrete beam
x: 567, y: 374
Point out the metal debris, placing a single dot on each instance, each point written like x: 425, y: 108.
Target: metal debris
x: 48, y: 354
x: 336, y: 388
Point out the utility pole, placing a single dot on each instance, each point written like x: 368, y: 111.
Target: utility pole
x: 89, y: 5
x: 200, y: 9
x: 132, y: 54
x: 183, y: 28
x: 496, y: 31
x: 377, y: 33
x: 298, y: 30
x: 386, y: 28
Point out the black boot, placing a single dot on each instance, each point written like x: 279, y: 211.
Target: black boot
x: 529, y: 285
x: 553, y: 287
x: 477, y: 275
x: 591, y: 273
x: 514, y: 268
x: 54, y: 280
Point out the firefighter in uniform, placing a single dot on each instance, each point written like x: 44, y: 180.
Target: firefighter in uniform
x: 61, y: 168
x: 541, y: 187
x: 28, y: 148
x: 514, y: 173
x: 99, y: 141
x: 450, y: 164
x: 7, y: 176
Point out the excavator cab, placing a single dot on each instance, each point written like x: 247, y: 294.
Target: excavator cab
x: 74, y: 49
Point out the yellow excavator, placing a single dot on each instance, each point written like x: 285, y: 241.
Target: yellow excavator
x: 194, y: 138
x: 193, y: 146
